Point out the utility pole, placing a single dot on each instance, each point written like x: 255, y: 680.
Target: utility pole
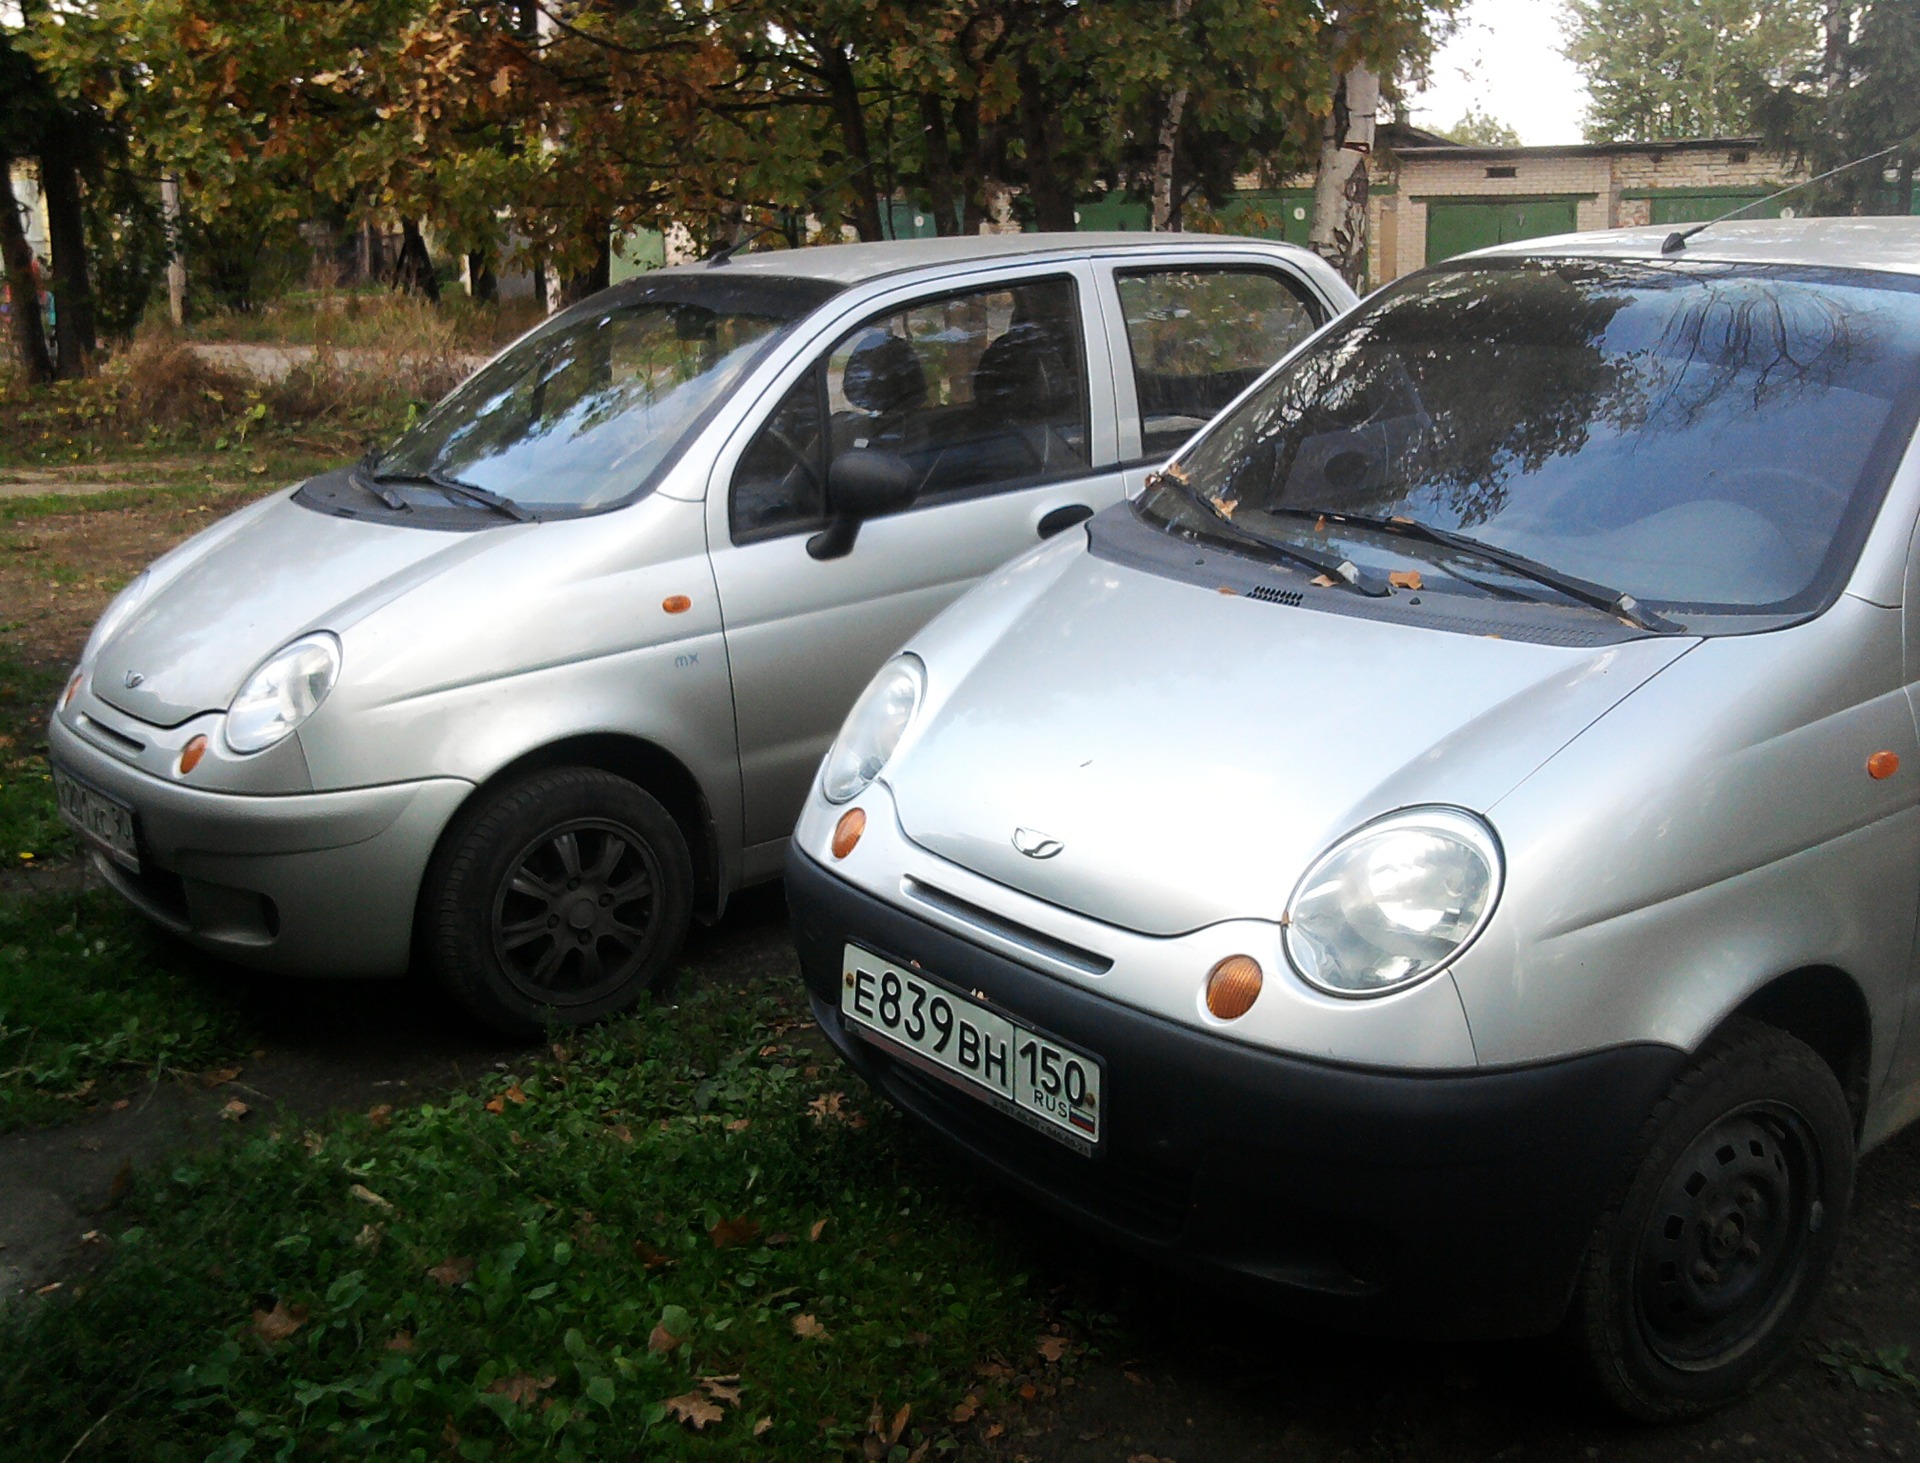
x: 176, y: 249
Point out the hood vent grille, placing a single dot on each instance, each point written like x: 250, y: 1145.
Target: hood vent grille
x: 1273, y: 596
x: 960, y: 911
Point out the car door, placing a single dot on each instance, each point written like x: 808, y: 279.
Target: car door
x: 1190, y: 334
x: 995, y: 388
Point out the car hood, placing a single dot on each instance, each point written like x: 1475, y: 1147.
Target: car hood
x: 224, y: 601
x: 1190, y: 751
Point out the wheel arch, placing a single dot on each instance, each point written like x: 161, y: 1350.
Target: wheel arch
x: 655, y: 770
x: 1824, y: 1007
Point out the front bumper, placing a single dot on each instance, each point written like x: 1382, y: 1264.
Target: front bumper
x: 302, y: 884
x: 1438, y: 1204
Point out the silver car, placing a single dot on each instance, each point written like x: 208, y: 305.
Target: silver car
x: 1449, y: 849
x: 549, y: 676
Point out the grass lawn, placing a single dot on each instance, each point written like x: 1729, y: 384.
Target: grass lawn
x: 679, y: 1238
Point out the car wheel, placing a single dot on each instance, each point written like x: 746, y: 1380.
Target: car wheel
x: 560, y: 898
x: 1723, y: 1231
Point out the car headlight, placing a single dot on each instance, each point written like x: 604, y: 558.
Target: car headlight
x: 284, y: 692
x: 873, y: 728
x: 123, y: 605
x: 1393, y: 902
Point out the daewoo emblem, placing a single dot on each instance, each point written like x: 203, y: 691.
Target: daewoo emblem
x: 134, y: 678
x: 1036, y: 845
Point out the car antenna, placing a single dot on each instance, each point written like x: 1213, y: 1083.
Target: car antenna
x: 1677, y: 240
x: 726, y: 251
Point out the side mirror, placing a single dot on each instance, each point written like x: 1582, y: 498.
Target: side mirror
x: 864, y: 483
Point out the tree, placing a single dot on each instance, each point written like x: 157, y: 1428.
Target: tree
x: 1477, y: 128
x: 1661, y: 69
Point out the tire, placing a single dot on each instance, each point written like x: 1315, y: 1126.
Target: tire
x: 1721, y: 1235
x: 561, y: 898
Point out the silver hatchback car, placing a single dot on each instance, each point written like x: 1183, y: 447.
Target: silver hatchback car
x: 549, y: 676
x: 1451, y: 847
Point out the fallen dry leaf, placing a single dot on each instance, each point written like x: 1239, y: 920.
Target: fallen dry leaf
x: 52, y: 1286
x: 521, y: 1389
x: 779, y: 1240
x: 369, y: 1237
x: 279, y: 1323
x: 899, y: 1423
x: 818, y: 1228
x: 661, y: 1339
x: 1320, y: 524
x: 1053, y: 1347
x: 724, y: 1390
x: 457, y: 1270
x: 400, y: 1341
x: 761, y: 1427
x: 693, y: 1409
x: 828, y: 1105
x: 737, y: 1231
x: 964, y: 1410
x: 219, y: 1076
x: 1404, y: 579
x: 994, y: 1430
x: 622, y: 1132
x: 739, y: 1125
x: 648, y: 1256
x: 234, y: 1110
x: 367, y: 1196
x: 1028, y: 1391
x: 1323, y: 581
x: 379, y: 1115
x: 808, y: 1328
x: 561, y: 1054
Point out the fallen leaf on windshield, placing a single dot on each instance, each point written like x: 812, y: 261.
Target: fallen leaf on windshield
x: 1320, y: 524
x: 278, y: 1324
x: 692, y: 1409
x: 1323, y: 581
x: 451, y: 1272
x: 730, y: 1232
x: 1404, y: 579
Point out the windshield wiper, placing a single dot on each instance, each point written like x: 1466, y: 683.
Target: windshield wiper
x: 1334, y: 570
x: 453, y: 487
x: 1599, y: 596
x: 368, y: 478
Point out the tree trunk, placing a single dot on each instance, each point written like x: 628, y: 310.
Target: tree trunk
x: 176, y: 249
x: 481, y: 282
x: 413, y: 270
x: 940, y: 186
x: 29, y: 340
x: 845, y: 91
x: 1052, y: 199
x: 1169, y: 141
x: 596, y: 276
x: 1339, y: 232
x: 973, y: 165
x: 74, y: 340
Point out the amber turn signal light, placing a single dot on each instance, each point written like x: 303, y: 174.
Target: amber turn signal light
x: 1233, y: 986
x: 191, y: 754
x: 73, y: 689
x: 676, y: 604
x: 1883, y: 765
x: 846, y: 833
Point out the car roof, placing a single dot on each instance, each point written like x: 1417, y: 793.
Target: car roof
x: 850, y: 264
x: 1888, y: 244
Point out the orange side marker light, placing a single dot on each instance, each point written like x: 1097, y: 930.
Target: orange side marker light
x: 846, y: 833
x: 73, y: 689
x: 1882, y: 765
x: 1233, y: 986
x: 191, y: 754
x: 676, y: 604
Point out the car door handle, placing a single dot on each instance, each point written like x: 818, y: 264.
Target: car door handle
x: 1063, y: 518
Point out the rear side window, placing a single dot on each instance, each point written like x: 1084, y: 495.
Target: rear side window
x: 982, y: 391
x: 1199, y: 337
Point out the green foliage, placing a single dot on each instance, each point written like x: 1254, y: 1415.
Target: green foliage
x: 673, y: 1218
x: 1477, y: 128
x: 1658, y: 70
x: 93, y: 1002
x: 1871, y: 1369
x: 30, y: 827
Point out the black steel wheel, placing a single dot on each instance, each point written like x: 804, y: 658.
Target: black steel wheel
x: 559, y: 898
x: 1700, y: 1275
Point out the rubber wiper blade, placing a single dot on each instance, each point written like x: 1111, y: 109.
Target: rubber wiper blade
x: 1339, y: 571
x: 1586, y: 591
x: 486, y: 497
x: 367, y: 477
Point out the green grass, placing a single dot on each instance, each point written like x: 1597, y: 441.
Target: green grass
x: 553, y: 1268
x: 94, y: 1003
x: 30, y: 827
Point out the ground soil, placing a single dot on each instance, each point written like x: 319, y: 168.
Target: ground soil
x: 1184, y: 1375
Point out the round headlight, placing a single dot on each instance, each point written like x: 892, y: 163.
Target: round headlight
x: 873, y: 728
x: 108, y: 625
x: 284, y: 692
x: 1394, y: 902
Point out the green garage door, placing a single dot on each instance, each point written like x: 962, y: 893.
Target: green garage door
x: 1454, y: 228
x: 1698, y: 208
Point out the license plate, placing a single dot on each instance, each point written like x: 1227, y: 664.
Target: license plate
x: 1052, y: 1088
x: 103, y: 821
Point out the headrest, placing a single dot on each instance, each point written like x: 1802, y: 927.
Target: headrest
x: 1025, y: 374
x: 883, y: 374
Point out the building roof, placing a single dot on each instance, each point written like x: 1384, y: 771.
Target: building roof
x: 852, y: 263
x: 1887, y: 244
x: 1457, y: 152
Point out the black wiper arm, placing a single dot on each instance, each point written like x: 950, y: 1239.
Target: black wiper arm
x: 1338, y: 571
x: 368, y: 478
x: 454, y: 487
x: 1599, y: 596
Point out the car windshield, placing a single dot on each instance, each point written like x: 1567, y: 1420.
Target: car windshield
x: 1707, y: 439
x: 588, y: 410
